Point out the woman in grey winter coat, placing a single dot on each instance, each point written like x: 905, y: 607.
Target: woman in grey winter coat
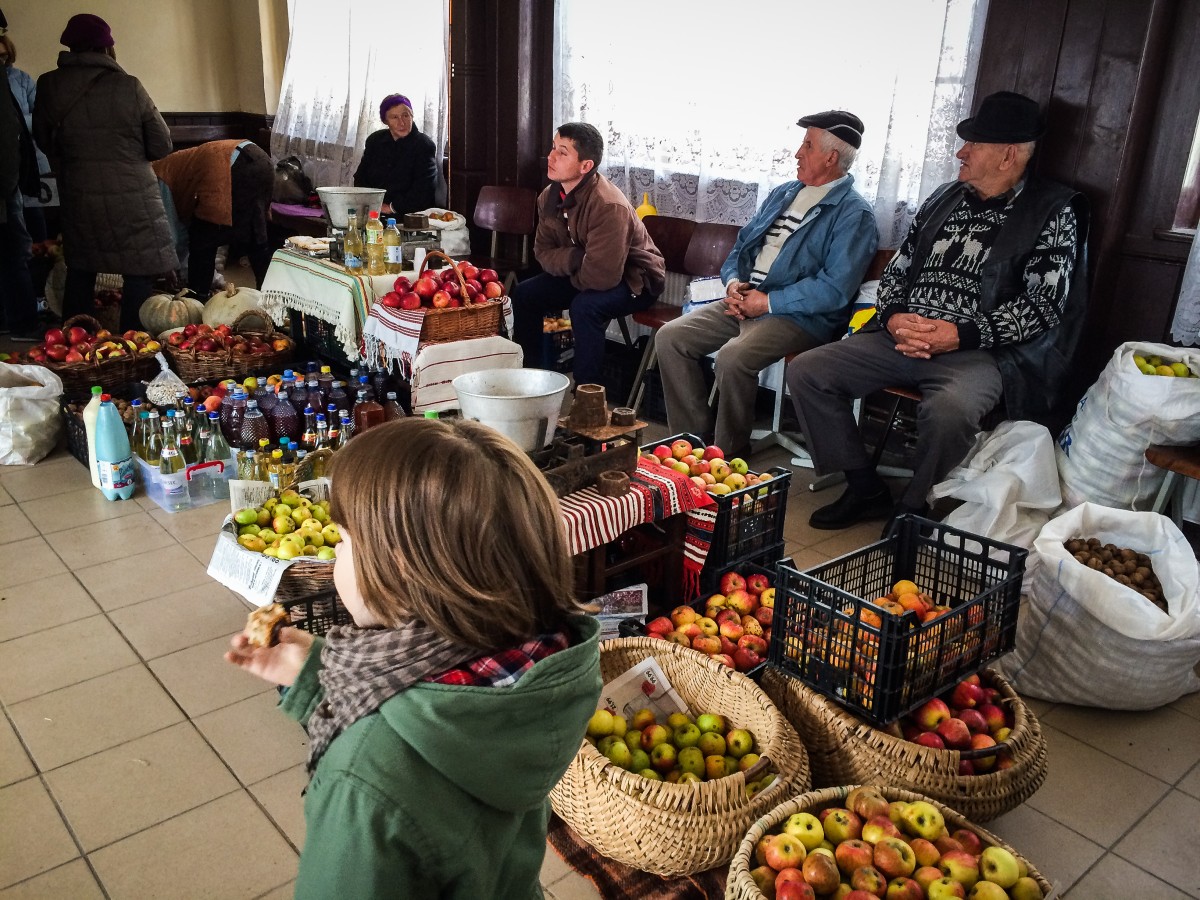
x: 101, y: 131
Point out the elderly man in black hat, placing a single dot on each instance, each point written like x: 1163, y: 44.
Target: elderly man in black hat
x: 789, y: 282
x: 981, y: 307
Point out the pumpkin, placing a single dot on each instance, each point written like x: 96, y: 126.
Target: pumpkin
x: 225, y: 307
x: 163, y: 312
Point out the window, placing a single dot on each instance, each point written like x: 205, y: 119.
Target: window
x: 1187, y: 213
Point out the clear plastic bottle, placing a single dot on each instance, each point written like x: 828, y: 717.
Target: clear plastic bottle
x: 185, y: 428
x: 237, y: 412
x: 392, y: 248
x: 277, y: 471
x: 364, y: 384
x: 315, y: 396
x: 172, y: 474
x: 376, y: 251
x: 337, y: 397
x: 308, y: 438
x: 322, y: 432
x: 153, y: 439
x: 325, y: 380
x: 352, y: 254
x: 284, y: 421
x: 135, y: 406
x: 344, y: 433
x: 90, y: 412
x: 334, y: 424
x: 114, y: 459
x: 264, y: 393
x: 391, y: 408
x: 137, y: 440
x: 347, y: 422
x: 298, y: 394
x: 264, y: 459
x: 213, y: 449
x: 254, y: 426
x: 248, y: 465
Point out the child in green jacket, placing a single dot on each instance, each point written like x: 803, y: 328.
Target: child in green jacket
x: 439, y: 722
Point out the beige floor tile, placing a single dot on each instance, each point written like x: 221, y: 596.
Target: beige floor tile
x: 1189, y: 704
x: 166, y: 624
x: 68, y: 654
x: 74, y: 881
x: 45, y: 479
x: 40, y: 841
x: 75, y: 508
x: 572, y: 886
x: 1114, y: 879
x: 1162, y: 742
x: 805, y: 557
x: 91, y: 545
x: 1069, y: 794
x: 283, y: 892
x: 1057, y: 852
x: 1190, y: 783
x: 14, y: 524
x: 113, y: 794
x: 553, y: 867
x: 226, y: 849
x: 254, y: 738
x: 15, y: 764
x: 839, y: 543
x: 201, y: 548
x: 5, y: 497
x: 45, y: 603
x: 204, y: 521
x: 1154, y: 844
x: 1040, y: 708
x: 28, y: 560
x: 281, y: 796
x: 142, y: 577
x: 86, y: 718
x: 201, y: 680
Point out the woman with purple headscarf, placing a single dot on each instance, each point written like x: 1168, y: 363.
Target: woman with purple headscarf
x: 399, y: 159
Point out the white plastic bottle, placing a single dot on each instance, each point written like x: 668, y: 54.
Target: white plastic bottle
x: 89, y: 426
x: 115, y: 463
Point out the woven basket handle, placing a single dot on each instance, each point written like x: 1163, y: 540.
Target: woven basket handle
x: 757, y: 769
x: 462, y: 282
x: 91, y: 357
x: 261, y: 316
x: 91, y: 323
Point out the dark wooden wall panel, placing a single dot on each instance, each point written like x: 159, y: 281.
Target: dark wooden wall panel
x: 1137, y: 312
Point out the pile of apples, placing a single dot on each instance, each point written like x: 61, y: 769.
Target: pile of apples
x: 73, y: 345
x: 207, y: 339
x: 706, y: 466
x: 871, y: 848
x: 288, y: 526
x: 735, y: 626
x: 1156, y: 365
x: 969, y: 716
x: 684, y: 750
x: 440, y: 289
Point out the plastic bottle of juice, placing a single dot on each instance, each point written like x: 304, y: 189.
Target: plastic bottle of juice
x: 153, y: 439
x: 276, y: 471
x: 185, y: 423
x: 337, y: 396
x: 325, y: 380
x: 114, y: 459
x: 322, y: 432
x: 334, y: 424
x: 254, y: 426
x: 308, y: 438
x: 137, y: 443
x: 284, y: 421
x: 172, y: 474
x: 344, y: 433
x: 265, y: 395
x: 352, y: 257
x: 89, y: 427
x: 364, y: 384
x: 315, y: 396
x: 376, y: 251
x: 367, y: 413
x: 391, y: 408
x: 391, y: 243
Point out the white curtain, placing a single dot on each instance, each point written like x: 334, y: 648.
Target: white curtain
x: 1185, y: 327
x: 342, y: 61
x: 698, y: 99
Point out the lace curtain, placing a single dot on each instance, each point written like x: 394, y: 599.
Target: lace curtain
x: 341, y: 62
x: 700, y: 110
x: 1185, y: 327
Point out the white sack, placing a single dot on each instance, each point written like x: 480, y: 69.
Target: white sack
x: 1101, y: 453
x: 29, y: 413
x: 1086, y: 639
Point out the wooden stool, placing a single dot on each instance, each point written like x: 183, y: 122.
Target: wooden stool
x: 1178, y: 461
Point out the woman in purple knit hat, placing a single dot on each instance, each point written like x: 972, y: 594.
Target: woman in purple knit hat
x: 399, y: 159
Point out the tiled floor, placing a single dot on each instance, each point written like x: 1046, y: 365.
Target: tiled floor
x: 136, y: 763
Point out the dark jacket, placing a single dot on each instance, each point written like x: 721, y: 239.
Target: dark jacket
x: 406, y: 169
x: 594, y: 237
x: 101, y: 131
x: 1036, y: 372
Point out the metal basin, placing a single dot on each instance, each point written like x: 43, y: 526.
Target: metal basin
x: 522, y: 404
x: 338, y: 199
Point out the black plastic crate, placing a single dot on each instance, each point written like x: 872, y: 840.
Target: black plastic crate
x: 316, y: 338
x: 317, y: 613
x: 558, y: 349
x: 882, y: 671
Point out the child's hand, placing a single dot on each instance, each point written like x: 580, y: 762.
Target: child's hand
x: 279, y: 664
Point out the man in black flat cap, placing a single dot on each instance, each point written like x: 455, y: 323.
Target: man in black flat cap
x: 981, y: 306
x: 789, y: 282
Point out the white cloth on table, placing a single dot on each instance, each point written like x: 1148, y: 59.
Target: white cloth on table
x: 395, y: 334
x: 437, y: 365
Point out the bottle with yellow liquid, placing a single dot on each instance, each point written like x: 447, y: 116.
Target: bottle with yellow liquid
x: 352, y: 255
x: 393, y: 248
x: 647, y: 208
x: 376, y: 252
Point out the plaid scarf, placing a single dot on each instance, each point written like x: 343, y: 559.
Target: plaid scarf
x: 363, y: 668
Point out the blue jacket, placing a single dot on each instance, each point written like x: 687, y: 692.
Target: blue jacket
x: 819, y: 268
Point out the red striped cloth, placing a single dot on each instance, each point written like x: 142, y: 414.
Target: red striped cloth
x: 397, y: 332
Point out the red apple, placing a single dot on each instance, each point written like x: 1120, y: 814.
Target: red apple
x: 410, y: 300
x: 994, y: 716
x: 757, y: 582
x: 974, y: 721
x: 190, y: 329
x: 732, y: 581
x: 439, y: 300
x: 970, y: 841
x: 391, y: 300
x: 744, y: 660
x: 853, y: 854
x: 661, y: 625
x: 54, y: 336
x: 794, y: 890
x: 73, y: 356
x: 784, y: 851
x: 425, y: 287
x: 467, y: 270
x: 955, y: 733
x: 493, y: 290
x: 488, y: 275
x: 931, y: 714
x: 930, y: 739
x: 402, y: 285
x: 57, y: 352
x: 77, y: 335
x: 966, y: 695
x: 754, y: 643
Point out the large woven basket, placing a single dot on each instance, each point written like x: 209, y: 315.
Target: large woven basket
x: 112, y: 374
x: 740, y: 886
x: 472, y: 320
x: 843, y: 749
x: 196, y: 365
x: 305, y: 576
x: 676, y: 829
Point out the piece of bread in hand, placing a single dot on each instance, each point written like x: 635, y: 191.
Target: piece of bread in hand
x: 262, y: 625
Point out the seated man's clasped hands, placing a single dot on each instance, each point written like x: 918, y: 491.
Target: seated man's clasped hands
x: 789, y: 281
x: 982, y: 305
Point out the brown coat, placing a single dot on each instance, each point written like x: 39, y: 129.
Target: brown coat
x: 101, y: 131
x: 200, y: 181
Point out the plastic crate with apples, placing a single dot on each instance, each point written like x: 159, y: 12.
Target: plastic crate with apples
x: 750, y: 513
x: 888, y: 627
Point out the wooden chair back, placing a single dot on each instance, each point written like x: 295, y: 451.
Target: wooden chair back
x: 672, y: 236
x: 708, y: 248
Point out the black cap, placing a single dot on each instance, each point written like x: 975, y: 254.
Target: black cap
x: 838, y: 122
x: 3, y: 22
x: 1003, y: 118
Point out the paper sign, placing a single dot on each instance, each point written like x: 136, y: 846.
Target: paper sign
x: 619, y: 605
x: 645, y: 686
x: 254, y: 576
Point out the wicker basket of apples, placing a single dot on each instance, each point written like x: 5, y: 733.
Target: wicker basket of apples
x: 459, y: 301
x: 83, y: 353
x: 200, y: 352
x: 977, y: 747
x: 900, y: 844
x: 677, y: 826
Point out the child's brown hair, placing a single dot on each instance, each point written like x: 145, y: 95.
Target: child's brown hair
x: 452, y: 524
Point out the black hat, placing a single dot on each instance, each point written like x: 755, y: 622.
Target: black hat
x: 837, y: 122
x: 1003, y: 118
